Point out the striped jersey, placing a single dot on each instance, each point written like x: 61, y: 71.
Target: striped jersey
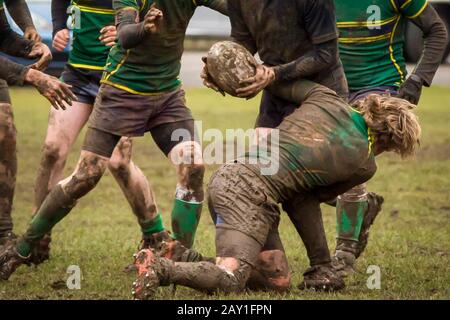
x: 88, y: 18
x: 371, y: 39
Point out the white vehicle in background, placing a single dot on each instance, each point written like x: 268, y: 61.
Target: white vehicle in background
x: 414, y: 42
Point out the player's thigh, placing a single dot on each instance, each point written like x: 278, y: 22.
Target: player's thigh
x: 178, y: 141
x: 64, y: 126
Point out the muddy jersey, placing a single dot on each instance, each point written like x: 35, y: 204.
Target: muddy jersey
x: 284, y: 31
x: 324, y: 142
x: 154, y: 65
x: 371, y: 40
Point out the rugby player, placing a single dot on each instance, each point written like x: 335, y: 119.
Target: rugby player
x: 371, y: 45
x: 303, y: 46
x: 325, y: 148
x: 140, y: 92
x: 15, y: 74
x: 92, y: 41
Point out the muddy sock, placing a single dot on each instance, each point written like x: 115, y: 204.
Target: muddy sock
x: 185, y: 218
x: 54, y: 208
x: 350, y: 216
x: 152, y: 226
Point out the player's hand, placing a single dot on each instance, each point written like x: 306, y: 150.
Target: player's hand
x: 61, y: 40
x: 153, y: 19
x: 108, y: 36
x: 264, y: 76
x: 55, y: 91
x: 43, y: 53
x: 30, y: 33
x: 411, y: 89
x: 207, y: 80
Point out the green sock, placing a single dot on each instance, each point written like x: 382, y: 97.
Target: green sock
x: 152, y: 226
x: 350, y: 216
x: 54, y: 208
x: 185, y: 218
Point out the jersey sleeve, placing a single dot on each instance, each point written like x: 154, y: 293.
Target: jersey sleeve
x: 218, y: 5
x: 239, y: 30
x: 320, y: 20
x: 411, y: 8
x: 123, y: 4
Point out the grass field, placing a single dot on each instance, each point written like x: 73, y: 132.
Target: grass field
x: 410, y: 241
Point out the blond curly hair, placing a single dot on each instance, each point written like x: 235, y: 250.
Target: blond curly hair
x: 391, y: 122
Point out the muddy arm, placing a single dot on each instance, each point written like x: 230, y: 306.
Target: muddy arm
x: 435, y: 43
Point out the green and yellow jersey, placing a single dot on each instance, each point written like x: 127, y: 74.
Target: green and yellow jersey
x: 154, y: 65
x: 371, y: 39
x: 87, y: 51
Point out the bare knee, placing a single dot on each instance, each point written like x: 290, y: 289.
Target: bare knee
x: 121, y: 156
x: 271, y: 272
x: 89, y: 171
x: 54, y: 153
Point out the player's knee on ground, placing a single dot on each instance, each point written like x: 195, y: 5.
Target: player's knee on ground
x: 271, y: 272
x: 121, y: 158
x: 89, y: 171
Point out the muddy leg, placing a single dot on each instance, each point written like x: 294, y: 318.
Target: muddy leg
x: 135, y: 186
x: 189, y: 195
x: 63, y: 129
x: 8, y: 168
x: 62, y: 199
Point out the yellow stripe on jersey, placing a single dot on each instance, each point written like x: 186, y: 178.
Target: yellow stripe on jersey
x: 391, y: 50
x: 405, y: 4
x: 419, y: 12
x: 125, y: 88
x: 356, y: 24
x: 95, y: 10
x: 119, y: 65
x: 86, y: 66
x: 365, y: 39
x: 394, y: 5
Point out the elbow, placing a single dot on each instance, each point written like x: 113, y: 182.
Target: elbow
x: 122, y: 40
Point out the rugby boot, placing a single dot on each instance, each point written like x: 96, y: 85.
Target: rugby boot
x: 41, y: 252
x: 10, y: 260
x: 322, y: 278
x: 153, y: 241
x: 7, y: 237
x: 152, y: 270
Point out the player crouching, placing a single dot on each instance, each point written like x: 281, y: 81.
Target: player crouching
x: 326, y: 147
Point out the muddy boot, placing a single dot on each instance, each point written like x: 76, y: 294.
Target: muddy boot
x: 175, y: 251
x: 322, y: 278
x: 7, y: 237
x: 375, y: 206
x: 10, y: 260
x: 41, y: 252
x: 344, y: 258
x: 153, y: 241
x: 151, y: 270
